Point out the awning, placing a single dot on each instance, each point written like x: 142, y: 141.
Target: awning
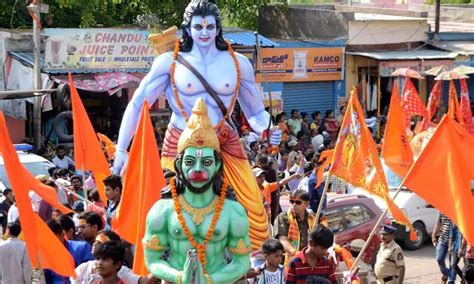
x: 461, y: 47
x: 423, y: 54
x: 102, y: 82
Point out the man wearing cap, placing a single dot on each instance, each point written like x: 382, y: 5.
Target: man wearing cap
x: 390, y: 264
x: 266, y: 188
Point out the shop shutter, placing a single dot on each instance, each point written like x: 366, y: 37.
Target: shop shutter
x: 309, y: 97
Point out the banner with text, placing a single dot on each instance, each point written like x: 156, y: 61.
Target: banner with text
x: 301, y: 64
x: 98, y: 49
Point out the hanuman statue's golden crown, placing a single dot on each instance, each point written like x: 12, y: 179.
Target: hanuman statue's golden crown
x: 199, y: 132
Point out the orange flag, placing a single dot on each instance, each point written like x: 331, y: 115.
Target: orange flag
x: 442, y: 173
x: 327, y: 157
x: 396, y: 150
x: 356, y: 159
x: 454, y: 110
x: 143, y: 182
x: 42, y: 245
x: 88, y: 154
x: 108, y: 144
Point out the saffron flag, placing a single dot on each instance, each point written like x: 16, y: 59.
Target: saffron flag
x: 143, y: 182
x: 442, y: 173
x: 454, y: 111
x: 466, y: 108
x: 108, y: 145
x: 327, y: 157
x: 412, y: 104
x: 396, y: 150
x: 356, y: 159
x: 42, y: 245
x: 88, y: 154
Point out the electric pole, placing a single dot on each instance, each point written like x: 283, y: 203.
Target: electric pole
x: 35, y: 10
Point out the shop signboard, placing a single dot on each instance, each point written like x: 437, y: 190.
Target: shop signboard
x: 386, y: 68
x: 301, y: 64
x: 98, y: 50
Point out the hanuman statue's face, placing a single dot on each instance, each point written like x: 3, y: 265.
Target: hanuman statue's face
x: 203, y: 30
x: 199, y: 166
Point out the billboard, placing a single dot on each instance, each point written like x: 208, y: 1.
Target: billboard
x: 98, y: 49
x: 301, y: 64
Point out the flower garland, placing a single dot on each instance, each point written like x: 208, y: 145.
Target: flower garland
x: 175, y: 90
x: 200, y: 247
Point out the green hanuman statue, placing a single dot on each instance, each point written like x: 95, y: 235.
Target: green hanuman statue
x: 198, y: 219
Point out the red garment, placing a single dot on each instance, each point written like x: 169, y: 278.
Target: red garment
x: 299, y: 269
x: 228, y: 139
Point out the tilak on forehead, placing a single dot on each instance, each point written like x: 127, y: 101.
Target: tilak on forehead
x: 199, y: 132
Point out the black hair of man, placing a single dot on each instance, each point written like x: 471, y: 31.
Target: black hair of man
x: 60, y: 147
x: 468, y: 273
x: 203, y: 9
x: 328, y: 112
x: 113, y: 181
x: 111, y: 235
x: 252, y: 144
x: 14, y: 229
x: 66, y: 223
x: 60, y: 172
x: 322, y: 236
x: 78, y: 177
x: 92, y: 219
x: 7, y: 191
x: 315, y: 114
x: 321, y: 129
x: 55, y: 226
x: 301, y: 194
x: 294, y: 111
x: 272, y: 246
x: 112, y: 249
x: 93, y: 195
x: 51, y: 171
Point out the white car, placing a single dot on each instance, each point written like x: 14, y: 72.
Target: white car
x: 421, y: 214
x: 35, y: 164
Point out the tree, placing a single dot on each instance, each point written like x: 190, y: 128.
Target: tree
x: 113, y: 13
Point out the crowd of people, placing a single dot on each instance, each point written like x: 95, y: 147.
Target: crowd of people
x: 305, y: 247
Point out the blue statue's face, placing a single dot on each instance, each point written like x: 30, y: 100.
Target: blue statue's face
x: 203, y: 30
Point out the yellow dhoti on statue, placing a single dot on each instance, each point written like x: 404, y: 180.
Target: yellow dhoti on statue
x: 239, y: 174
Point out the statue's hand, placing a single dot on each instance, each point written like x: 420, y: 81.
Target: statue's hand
x: 189, y: 268
x: 275, y: 136
x: 200, y: 273
x: 120, y: 161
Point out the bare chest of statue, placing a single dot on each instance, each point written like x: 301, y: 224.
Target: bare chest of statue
x: 220, y: 73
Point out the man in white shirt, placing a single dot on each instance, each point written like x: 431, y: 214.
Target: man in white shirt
x: 294, y: 123
x: 61, y: 160
x: 318, y: 140
x: 15, y: 266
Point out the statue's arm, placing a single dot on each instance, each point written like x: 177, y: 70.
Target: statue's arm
x: 249, y: 97
x: 238, y: 236
x: 152, y: 85
x: 156, y: 229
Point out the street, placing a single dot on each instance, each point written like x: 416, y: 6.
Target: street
x: 421, y: 266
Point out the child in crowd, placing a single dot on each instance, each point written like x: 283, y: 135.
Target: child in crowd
x: 109, y: 259
x: 270, y: 271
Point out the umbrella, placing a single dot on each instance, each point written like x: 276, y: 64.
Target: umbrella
x: 407, y: 72
x: 435, y: 71
x: 463, y: 69
x: 451, y: 75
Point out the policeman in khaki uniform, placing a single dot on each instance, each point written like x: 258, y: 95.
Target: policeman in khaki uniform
x: 390, y: 265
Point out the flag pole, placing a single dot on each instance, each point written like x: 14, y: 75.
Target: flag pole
x: 41, y: 271
x: 323, y: 198
x: 374, y: 230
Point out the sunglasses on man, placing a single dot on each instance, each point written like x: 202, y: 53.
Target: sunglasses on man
x: 297, y: 202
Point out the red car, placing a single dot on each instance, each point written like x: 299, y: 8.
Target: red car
x: 351, y: 217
